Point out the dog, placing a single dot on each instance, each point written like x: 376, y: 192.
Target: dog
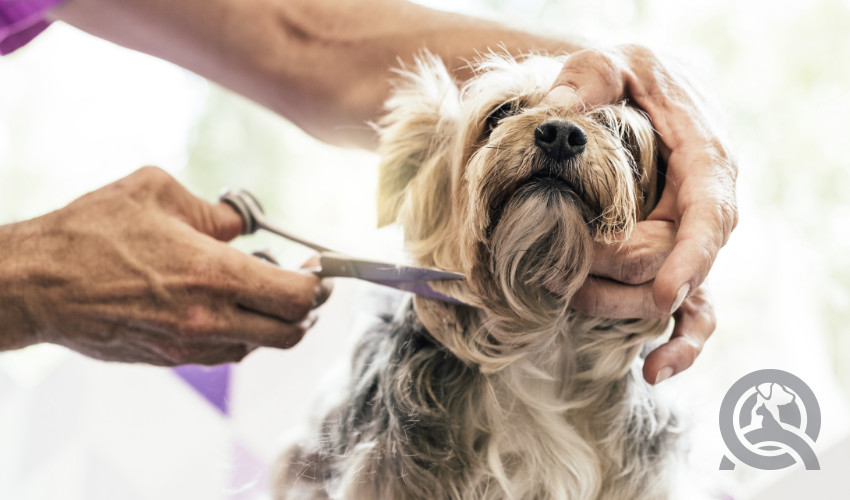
x: 510, y: 394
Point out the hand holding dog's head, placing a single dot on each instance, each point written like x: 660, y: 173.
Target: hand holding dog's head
x: 493, y: 181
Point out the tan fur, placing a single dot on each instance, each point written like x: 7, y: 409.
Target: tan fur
x: 542, y: 402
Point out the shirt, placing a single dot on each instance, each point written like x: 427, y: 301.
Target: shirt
x: 21, y: 21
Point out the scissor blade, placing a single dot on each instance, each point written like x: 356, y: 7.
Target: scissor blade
x: 421, y: 288
x: 371, y: 270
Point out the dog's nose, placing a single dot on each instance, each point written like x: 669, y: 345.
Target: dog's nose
x: 560, y: 139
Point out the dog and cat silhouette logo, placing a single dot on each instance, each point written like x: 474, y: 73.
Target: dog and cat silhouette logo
x: 770, y: 420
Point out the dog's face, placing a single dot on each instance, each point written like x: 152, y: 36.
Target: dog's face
x: 493, y: 181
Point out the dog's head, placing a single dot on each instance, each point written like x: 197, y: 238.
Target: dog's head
x: 492, y: 181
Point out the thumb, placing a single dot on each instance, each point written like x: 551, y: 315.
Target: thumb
x: 564, y: 96
x: 219, y: 221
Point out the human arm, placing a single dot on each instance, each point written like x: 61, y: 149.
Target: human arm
x: 324, y: 64
x: 137, y: 271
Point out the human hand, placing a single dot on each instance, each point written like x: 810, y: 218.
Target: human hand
x: 661, y: 267
x: 137, y: 271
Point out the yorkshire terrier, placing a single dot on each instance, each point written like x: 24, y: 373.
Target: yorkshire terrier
x: 511, y: 394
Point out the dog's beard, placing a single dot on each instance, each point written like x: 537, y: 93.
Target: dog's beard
x: 540, y: 247
x: 535, y: 257
x: 531, y: 223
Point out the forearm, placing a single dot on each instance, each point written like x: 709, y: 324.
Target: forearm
x: 17, y: 328
x: 324, y: 64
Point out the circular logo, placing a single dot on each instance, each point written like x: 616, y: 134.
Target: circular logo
x: 770, y: 420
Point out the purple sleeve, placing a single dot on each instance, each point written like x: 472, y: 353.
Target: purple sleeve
x: 21, y: 21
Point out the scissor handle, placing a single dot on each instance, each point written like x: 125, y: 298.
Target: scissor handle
x: 253, y: 217
x: 246, y: 205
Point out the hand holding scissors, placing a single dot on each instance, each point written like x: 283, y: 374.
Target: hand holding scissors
x: 335, y: 264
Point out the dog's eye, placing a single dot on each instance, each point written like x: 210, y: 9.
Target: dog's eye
x: 606, y: 121
x: 503, y: 111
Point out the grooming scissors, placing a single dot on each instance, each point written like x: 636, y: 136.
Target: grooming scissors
x: 334, y: 264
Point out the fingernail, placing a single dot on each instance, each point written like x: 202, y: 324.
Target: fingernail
x: 310, y: 321
x: 322, y: 292
x: 663, y: 374
x: 680, y: 297
x: 562, y: 95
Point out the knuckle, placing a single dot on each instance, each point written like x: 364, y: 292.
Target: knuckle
x: 605, y: 66
x: 722, y: 219
x: 175, y: 354
x: 722, y: 157
x: 198, y: 322
x: 729, y: 215
x: 144, y: 183
x: 240, y: 352
x: 600, y: 63
x: 638, y: 51
x: 694, y: 349
x: 638, y: 269
x: 300, y: 301
x: 203, y: 269
x: 153, y: 175
x: 294, y: 336
x: 299, y: 307
x: 657, y: 313
x: 597, y: 56
x: 708, y: 317
x: 218, y: 354
x: 207, y: 276
x: 580, y: 302
x: 710, y: 323
x: 650, y: 309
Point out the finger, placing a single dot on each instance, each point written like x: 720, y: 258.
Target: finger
x: 267, y: 289
x: 589, y: 77
x: 255, y: 328
x: 216, y: 354
x: 157, y: 186
x: 694, y: 324
x: 326, y: 285
x: 205, y: 327
x: 637, y: 260
x: 314, y: 262
x: 704, y: 228
x: 200, y: 343
x: 177, y: 353
x: 608, y: 299
x: 125, y: 352
x: 220, y: 221
x: 223, y: 223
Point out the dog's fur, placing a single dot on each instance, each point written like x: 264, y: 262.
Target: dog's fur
x: 515, y: 395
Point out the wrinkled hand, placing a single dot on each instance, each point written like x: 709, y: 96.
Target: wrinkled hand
x: 137, y: 271
x: 660, y: 269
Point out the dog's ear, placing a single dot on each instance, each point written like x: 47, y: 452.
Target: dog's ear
x: 420, y: 120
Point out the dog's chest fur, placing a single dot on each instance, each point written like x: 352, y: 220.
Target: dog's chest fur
x: 417, y: 423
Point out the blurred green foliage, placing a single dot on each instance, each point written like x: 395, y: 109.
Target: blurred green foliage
x: 317, y: 191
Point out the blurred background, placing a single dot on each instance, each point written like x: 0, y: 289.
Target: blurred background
x: 77, y: 113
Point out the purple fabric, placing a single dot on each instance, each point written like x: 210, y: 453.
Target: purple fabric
x: 21, y: 21
x: 248, y: 476
x: 211, y: 382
